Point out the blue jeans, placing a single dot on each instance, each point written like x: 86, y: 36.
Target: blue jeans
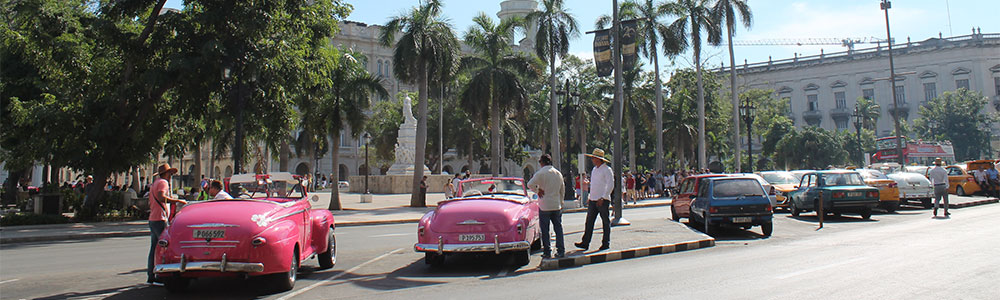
x: 155, y: 229
x: 554, y: 216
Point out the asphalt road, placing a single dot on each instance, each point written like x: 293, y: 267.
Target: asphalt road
x: 893, y: 256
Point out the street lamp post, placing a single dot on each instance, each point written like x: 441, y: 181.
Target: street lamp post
x: 367, y: 167
x: 747, y: 110
x: 857, y: 127
x: 885, y: 6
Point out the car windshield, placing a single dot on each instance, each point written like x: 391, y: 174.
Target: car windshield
x: 266, y: 187
x: 842, y: 179
x: 872, y: 174
x: 780, y: 178
x: 726, y: 188
x: 487, y: 186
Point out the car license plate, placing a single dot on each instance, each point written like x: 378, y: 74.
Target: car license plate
x: 854, y: 194
x: 742, y: 219
x: 209, y: 234
x: 471, y: 237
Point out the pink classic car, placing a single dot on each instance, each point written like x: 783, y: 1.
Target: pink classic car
x: 269, y: 229
x: 492, y: 215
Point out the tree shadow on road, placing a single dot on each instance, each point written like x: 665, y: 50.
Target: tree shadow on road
x: 729, y: 233
x: 812, y: 218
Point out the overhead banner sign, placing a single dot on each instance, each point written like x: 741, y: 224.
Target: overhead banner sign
x: 629, y: 35
x: 602, y: 52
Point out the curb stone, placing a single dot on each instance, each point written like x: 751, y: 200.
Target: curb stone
x: 599, y: 257
x: 974, y: 203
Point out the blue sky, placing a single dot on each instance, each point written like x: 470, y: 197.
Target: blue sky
x: 773, y: 19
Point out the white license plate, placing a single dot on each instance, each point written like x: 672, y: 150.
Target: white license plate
x: 471, y: 237
x: 742, y: 219
x: 209, y: 234
x: 854, y: 194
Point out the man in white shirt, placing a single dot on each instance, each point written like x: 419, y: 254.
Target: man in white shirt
x: 601, y: 186
x: 939, y: 177
x: 215, y: 190
x: 456, y: 183
x: 548, y: 184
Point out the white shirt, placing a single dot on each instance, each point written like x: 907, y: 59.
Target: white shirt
x: 601, y: 182
x: 222, y: 195
x: 939, y: 176
x: 669, y: 180
x: 456, y: 183
x: 549, y: 180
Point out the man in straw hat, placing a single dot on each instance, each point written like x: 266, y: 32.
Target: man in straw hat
x: 601, y: 186
x: 159, y: 202
x: 939, y: 177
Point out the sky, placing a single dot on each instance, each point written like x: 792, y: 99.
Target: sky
x: 772, y: 19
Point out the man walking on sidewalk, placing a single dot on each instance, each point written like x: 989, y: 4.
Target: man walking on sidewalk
x: 939, y: 177
x: 601, y: 185
x: 159, y: 200
x: 549, y: 186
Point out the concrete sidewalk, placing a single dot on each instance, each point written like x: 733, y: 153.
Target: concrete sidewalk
x: 650, y: 237
x: 384, y: 209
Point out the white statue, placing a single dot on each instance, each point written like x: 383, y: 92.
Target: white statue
x: 406, y: 144
x: 407, y: 111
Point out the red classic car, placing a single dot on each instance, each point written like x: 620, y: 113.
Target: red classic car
x: 492, y: 215
x: 680, y: 206
x: 269, y: 229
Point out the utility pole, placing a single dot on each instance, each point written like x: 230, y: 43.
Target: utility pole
x: 885, y: 6
x: 440, y: 134
x: 616, y: 195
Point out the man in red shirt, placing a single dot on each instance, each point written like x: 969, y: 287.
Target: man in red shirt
x: 159, y: 212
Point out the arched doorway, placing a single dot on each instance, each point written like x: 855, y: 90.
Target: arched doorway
x: 447, y: 170
x: 465, y: 168
x: 229, y: 171
x: 302, y: 169
x: 484, y: 168
x: 362, y: 170
x: 216, y: 173
x: 343, y: 172
x: 528, y: 172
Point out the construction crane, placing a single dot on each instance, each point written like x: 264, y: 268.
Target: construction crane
x: 846, y: 42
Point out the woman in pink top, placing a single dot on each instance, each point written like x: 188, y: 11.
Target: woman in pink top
x: 159, y: 201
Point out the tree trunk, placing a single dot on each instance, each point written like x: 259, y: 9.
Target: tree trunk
x: 197, y: 163
x: 238, y: 144
x: 335, y: 159
x: 583, y: 140
x: 736, y: 102
x: 553, y: 108
x: 659, y: 111
x: 495, y: 135
x: 631, y: 145
x: 283, y: 156
x: 94, y: 194
x: 135, y: 180
x: 416, y: 200
x: 470, y: 158
x: 702, y: 163
x: 211, y: 161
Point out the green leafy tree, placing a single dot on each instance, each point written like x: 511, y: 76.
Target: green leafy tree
x: 426, y: 49
x: 958, y: 116
x: 556, y: 26
x: 810, y: 148
x: 729, y: 12
x: 495, y: 77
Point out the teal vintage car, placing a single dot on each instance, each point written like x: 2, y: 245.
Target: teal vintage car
x: 843, y: 191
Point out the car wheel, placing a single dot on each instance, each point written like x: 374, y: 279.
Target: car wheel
x: 866, y: 214
x: 522, y: 258
x: 691, y: 219
x: 176, y: 284
x: 434, y: 259
x: 329, y: 258
x: 892, y: 207
x: 706, y: 220
x: 674, y: 215
x: 767, y: 228
x: 793, y: 209
x: 286, y: 281
x: 926, y: 202
x: 960, y: 191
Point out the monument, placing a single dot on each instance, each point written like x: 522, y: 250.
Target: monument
x: 406, y: 143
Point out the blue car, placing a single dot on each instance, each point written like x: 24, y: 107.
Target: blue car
x: 738, y: 201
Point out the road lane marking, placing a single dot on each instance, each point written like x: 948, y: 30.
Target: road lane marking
x: 391, y: 234
x: 351, y: 270
x: 9, y: 281
x: 797, y: 273
x: 108, y: 294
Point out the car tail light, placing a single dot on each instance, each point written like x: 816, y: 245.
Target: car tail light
x: 163, y: 243
x: 520, y: 228
x: 768, y: 207
x: 970, y: 179
x: 420, y: 231
x: 838, y: 194
x: 892, y: 185
x: 258, y: 241
x: 713, y: 209
x: 873, y: 194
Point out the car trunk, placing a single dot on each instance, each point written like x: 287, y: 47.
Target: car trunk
x: 229, y: 232
x: 475, y: 216
x: 741, y: 206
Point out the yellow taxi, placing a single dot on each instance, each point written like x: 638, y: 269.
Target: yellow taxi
x: 888, y: 191
x: 980, y: 166
x: 782, y: 183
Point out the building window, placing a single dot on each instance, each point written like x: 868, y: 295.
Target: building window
x: 813, y: 102
x: 788, y: 100
x: 962, y: 84
x: 996, y: 84
x: 930, y: 91
x: 900, y: 95
x: 380, y: 68
x: 841, y: 99
x: 345, y: 141
x: 868, y: 94
x: 387, y: 69
x: 841, y: 124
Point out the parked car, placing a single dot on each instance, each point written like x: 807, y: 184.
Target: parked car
x: 493, y: 215
x: 268, y: 230
x: 913, y: 187
x: 735, y: 201
x: 681, y: 204
x: 922, y: 170
x: 981, y: 166
x: 888, y: 189
x: 782, y: 183
x: 343, y: 185
x: 960, y: 182
x: 843, y: 191
x: 766, y: 185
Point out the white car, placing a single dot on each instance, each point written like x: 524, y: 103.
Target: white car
x: 913, y: 187
x: 343, y: 185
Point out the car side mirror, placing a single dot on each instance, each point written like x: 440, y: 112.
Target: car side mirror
x: 315, y: 198
x: 796, y: 187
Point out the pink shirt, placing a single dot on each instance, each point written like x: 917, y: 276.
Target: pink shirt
x: 156, y: 207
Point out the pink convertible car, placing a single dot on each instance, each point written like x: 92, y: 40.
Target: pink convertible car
x: 269, y: 229
x: 492, y: 215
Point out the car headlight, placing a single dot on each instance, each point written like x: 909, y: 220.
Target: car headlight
x: 163, y: 243
x: 258, y: 241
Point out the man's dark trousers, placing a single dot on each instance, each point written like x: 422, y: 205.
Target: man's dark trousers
x: 592, y: 211
x: 555, y: 217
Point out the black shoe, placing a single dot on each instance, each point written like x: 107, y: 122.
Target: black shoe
x: 604, y: 247
x: 581, y: 245
x: 546, y: 256
x: 560, y: 255
x: 947, y: 214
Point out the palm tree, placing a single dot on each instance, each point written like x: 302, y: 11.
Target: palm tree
x: 495, y: 74
x: 870, y: 111
x: 727, y: 10
x: 427, y: 49
x: 694, y: 16
x: 555, y: 28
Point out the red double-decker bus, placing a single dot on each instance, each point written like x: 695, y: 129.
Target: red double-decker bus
x: 914, y: 152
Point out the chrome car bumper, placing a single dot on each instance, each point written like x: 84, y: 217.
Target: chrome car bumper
x: 495, y: 247
x: 217, y: 266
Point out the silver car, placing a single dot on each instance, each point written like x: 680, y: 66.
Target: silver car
x: 913, y: 187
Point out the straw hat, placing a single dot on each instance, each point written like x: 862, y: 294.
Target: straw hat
x: 598, y: 154
x: 165, y: 168
x: 938, y: 161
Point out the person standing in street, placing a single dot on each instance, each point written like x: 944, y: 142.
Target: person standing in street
x: 456, y: 184
x: 939, y: 177
x: 423, y: 189
x: 548, y: 183
x: 601, y: 186
x: 159, y: 200
x: 993, y: 179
